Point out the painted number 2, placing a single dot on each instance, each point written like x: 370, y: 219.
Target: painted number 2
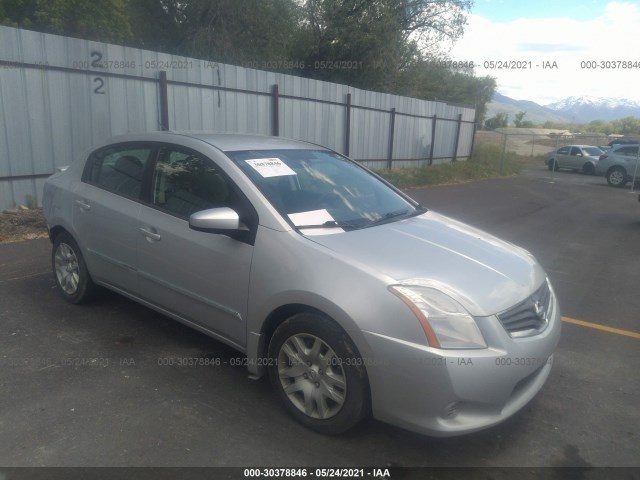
x: 96, y: 58
x: 99, y: 86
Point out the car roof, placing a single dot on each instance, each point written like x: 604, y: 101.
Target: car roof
x: 580, y: 146
x: 226, y: 142
x: 617, y: 148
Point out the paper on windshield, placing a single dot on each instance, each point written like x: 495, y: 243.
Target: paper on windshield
x: 314, y: 217
x: 270, y: 167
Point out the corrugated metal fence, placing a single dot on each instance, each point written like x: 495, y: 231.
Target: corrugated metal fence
x: 60, y: 95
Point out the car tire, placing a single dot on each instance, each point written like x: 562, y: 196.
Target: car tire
x: 617, y: 177
x: 588, y: 169
x: 318, y: 374
x: 553, y: 165
x: 70, y: 270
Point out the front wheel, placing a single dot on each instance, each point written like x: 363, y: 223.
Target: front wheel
x: 617, y: 177
x: 70, y: 270
x: 553, y: 165
x: 317, y: 373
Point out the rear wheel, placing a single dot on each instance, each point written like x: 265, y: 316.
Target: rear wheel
x: 317, y: 373
x: 70, y: 270
x: 588, y: 169
x: 617, y: 177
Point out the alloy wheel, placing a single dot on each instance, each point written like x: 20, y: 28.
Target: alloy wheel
x: 66, y: 268
x: 616, y: 177
x: 312, y: 376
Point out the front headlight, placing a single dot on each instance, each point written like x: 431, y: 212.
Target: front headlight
x: 445, y: 322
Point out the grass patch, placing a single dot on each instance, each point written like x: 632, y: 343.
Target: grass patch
x: 485, y: 163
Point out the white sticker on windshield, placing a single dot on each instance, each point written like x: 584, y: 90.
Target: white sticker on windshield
x: 315, y: 219
x: 270, y: 167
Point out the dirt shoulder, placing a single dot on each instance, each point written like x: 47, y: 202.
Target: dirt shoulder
x: 22, y: 224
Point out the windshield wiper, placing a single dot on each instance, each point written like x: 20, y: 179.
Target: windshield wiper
x: 389, y: 216
x: 357, y: 224
x: 330, y: 224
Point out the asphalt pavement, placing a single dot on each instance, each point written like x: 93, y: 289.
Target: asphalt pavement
x: 91, y: 385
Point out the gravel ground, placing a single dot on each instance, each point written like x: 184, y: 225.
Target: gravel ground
x: 22, y: 224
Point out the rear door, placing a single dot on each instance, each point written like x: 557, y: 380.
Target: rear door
x: 201, y: 277
x: 629, y: 156
x: 106, y: 206
x: 562, y: 156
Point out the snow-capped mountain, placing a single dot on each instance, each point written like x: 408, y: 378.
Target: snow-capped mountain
x: 571, y: 110
x: 535, y: 113
x: 585, y: 109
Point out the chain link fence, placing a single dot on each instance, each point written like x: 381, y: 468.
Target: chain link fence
x: 531, y: 147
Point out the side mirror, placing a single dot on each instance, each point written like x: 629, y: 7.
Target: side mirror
x: 578, y: 154
x: 215, y: 220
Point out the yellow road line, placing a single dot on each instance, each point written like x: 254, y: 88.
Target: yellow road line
x: 604, y: 328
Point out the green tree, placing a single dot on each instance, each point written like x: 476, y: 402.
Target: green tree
x: 519, y: 118
x: 519, y: 121
x: 599, y: 126
x: 237, y: 31
x: 107, y: 21
x: 627, y: 126
x: 380, y: 37
x: 159, y: 24
x: 437, y: 81
x: 500, y: 120
x: 355, y: 42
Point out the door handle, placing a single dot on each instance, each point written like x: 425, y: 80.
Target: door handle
x: 150, y: 235
x: 83, y: 205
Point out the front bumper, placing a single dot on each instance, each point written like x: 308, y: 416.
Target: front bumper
x: 452, y: 392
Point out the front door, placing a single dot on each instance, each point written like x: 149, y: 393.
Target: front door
x: 202, y: 277
x: 562, y: 157
x: 576, y: 159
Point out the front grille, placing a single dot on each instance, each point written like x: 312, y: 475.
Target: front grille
x: 529, y: 317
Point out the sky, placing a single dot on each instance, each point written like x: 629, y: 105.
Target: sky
x: 537, y: 33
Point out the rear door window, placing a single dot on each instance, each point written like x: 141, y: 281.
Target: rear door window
x: 628, y: 151
x: 119, y: 169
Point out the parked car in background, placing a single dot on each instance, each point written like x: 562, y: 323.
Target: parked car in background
x: 622, y: 141
x: 574, y: 157
x: 619, y: 165
x: 351, y: 296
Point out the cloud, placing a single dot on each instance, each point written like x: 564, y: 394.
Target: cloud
x: 611, y: 35
x: 548, y: 47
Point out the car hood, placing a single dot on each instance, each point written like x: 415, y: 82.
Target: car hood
x: 485, y: 274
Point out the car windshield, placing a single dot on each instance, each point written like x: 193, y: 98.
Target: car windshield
x: 316, y: 189
x: 593, y: 151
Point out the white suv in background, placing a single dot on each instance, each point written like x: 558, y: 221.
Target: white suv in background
x: 619, y: 165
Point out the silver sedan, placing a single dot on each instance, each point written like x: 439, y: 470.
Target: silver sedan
x: 583, y: 158
x: 350, y: 296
